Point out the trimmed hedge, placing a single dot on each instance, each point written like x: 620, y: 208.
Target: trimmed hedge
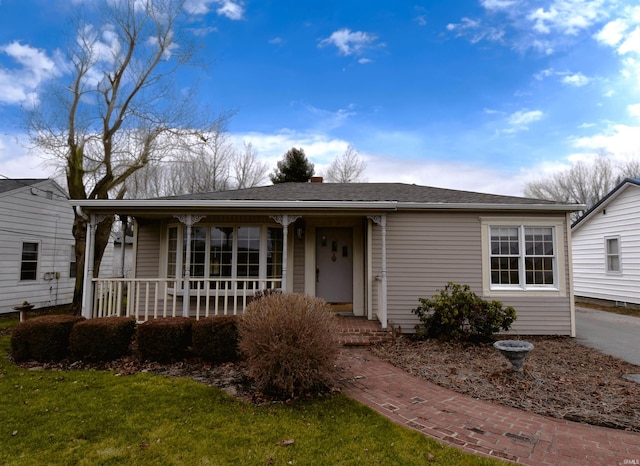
x: 43, y: 338
x: 102, y: 339
x: 215, y: 339
x: 164, y: 339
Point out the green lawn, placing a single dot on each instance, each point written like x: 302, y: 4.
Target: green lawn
x: 93, y: 417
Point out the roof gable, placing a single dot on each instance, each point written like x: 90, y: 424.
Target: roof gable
x: 11, y: 184
x: 606, y: 200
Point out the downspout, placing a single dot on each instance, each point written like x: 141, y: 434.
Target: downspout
x: 381, y: 220
x: 383, y: 224
x: 572, y: 301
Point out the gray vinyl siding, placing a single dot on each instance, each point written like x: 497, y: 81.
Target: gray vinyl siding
x: 298, y: 266
x: 425, y: 250
x: 33, y: 215
x: 148, y: 245
x: 591, y: 279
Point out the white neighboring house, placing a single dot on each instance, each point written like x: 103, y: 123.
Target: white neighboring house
x: 120, y: 256
x: 606, y: 247
x: 37, y: 262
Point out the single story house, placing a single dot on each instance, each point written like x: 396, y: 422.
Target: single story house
x: 606, y: 247
x: 37, y: 262
x: 371, y: 248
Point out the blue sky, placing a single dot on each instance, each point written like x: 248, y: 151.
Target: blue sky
x: 480, y: 95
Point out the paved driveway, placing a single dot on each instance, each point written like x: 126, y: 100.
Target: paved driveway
x: 614, y: 334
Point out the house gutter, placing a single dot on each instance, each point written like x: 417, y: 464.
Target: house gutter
x: 110, y: 204
x: 155, y: 204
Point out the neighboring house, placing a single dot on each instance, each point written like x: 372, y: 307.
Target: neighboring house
x: 37, y: 262
x: 122, y: 256
x: 373, y: 248
x: 606, y: 247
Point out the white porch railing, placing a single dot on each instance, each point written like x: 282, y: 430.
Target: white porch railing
x: 146, y: 298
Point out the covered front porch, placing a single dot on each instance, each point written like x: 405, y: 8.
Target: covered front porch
x: 216, y: 262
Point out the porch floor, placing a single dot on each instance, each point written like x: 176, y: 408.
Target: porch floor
x: 359, y: 331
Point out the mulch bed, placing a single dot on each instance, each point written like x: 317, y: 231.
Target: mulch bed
x: 560, y: 378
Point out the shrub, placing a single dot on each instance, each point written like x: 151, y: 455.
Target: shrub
x: 215, y: 339
x: 290, y: 344
x: 43, y: 338
x: 164, y: 339
x: 102, y: 339
x: 457, y: 312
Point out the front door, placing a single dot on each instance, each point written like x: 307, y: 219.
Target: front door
x: 334, y: 264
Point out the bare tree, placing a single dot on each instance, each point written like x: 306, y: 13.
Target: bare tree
x: 247, y: 169
x: 204, y: 163
x: 117, y: 113
x: 583, y: 183
x: 347, y: 168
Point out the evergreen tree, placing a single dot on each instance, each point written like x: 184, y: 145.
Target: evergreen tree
x: 294, y: 167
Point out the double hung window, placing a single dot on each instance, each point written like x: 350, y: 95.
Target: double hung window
x: 522, y: 257
x: 222, y: 253
x: 612, y: 252
x: 29, y: 262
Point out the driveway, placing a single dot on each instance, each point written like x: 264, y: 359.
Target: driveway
x: 614, y: 334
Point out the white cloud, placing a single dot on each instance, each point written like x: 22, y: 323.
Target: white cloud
x: 497, y: 4
x: 227, y: 8
x: 276, y: 41
x: 348, y: 42
x: 20, y: 85
x: 619, y: 140
x: 634, y: 110
x: 631, y: 43
x: 613, y: 32
x: 577, y: 80
x: 231, y: 10
x: 531, y: 26
x: 383, y: 167
x: 17, y: 162
x: 568, y: 16
x: 520, y: 120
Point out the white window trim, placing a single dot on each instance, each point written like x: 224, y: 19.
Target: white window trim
x: 559, y: 289
x: 606, y: 256
x: 264, y: 231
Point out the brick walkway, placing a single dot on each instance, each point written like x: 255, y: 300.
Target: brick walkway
x: 477, y: 426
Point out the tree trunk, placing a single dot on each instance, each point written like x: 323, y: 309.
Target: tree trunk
x: 80, y: 235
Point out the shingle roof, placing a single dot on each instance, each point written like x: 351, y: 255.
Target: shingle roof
x: 394, y: 192
x: 15, y: 183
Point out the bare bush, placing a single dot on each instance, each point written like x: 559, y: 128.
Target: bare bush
x: 290, y: 344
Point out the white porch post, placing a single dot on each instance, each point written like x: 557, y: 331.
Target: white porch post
x: 89, y: 253
x: 381, y: 220
x: 188, y: 220
x: 285, y: 221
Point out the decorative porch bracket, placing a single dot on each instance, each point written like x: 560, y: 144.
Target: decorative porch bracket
x: 188, y: 220
x: 285, y: 221
x: 381, y: 220
x: 89, y: 256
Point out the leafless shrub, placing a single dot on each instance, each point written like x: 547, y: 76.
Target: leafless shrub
x: 290, y: 345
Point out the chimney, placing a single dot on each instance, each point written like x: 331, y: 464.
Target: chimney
x: 316, y: 179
